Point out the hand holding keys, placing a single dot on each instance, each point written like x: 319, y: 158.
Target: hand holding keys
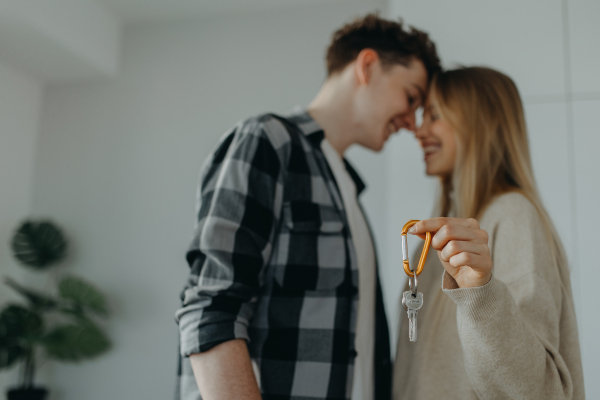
x: 462, y: 247
x: 463, y: 250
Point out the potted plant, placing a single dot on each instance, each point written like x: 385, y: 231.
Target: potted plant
x: 61, y: 326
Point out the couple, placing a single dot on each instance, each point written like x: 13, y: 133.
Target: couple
x: 283, y: 300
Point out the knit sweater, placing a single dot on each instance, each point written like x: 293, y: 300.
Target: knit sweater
x: 513, y: 338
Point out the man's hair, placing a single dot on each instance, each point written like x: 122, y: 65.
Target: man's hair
x: 393, y: 43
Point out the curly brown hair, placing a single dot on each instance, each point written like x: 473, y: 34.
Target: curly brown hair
x: 393, y: 43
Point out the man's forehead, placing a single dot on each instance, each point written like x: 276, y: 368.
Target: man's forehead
x: 421, y: 90
x: 414, y: 71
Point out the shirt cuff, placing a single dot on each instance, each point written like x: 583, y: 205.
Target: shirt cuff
x: 196, y: 337
x: 476, y: 304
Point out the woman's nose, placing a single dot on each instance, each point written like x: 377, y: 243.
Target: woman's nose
x: 421, y: 132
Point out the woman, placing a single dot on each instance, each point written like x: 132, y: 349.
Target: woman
x: 502, y: 323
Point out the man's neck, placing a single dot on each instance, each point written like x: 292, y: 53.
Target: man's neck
x: 332, y: 110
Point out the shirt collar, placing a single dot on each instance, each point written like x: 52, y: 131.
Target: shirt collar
x: 311, y: 129
x: 315, y: 135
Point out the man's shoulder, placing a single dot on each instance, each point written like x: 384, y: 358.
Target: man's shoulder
x: 266, y: 136
x: 277, y: 129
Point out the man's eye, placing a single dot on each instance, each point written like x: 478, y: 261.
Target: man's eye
x: 434, y: 117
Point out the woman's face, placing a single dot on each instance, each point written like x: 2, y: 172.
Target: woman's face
x: 438, y: 141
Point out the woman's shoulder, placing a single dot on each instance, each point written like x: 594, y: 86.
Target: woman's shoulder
x: 513, y: 222
x: 514, y: 206
x: 520, y: 241
x: 513, y: 215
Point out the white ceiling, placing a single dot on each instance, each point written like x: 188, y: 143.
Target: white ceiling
x: 65, y: 40
x: 59, y: 40
x: 129, y: 11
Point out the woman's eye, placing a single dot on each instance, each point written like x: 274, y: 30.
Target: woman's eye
x: 434, y: 117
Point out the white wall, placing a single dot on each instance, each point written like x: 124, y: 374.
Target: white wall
x: 59, y: 39
x: 20, y: 104
x: 119, y: 160
x: 551, y: 50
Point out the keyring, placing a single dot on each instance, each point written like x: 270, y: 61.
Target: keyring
x: 421, y: 264
x: 412, y: 283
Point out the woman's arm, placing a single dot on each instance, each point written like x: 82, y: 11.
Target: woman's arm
x: 510, y: 337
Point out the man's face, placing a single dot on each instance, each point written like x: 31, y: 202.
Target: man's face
x: 388, y: 101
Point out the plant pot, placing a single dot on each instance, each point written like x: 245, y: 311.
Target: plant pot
x: 34, y: 393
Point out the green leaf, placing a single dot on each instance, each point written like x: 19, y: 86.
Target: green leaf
x: 39, y: 244
x: 18, y: 322
x: 37, y: 300
x: 19, y: 329
x: 83, y: 294
x: 76, y: 342
x: 10, y: 352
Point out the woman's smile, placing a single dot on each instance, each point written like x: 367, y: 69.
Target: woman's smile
x: 430, y: 148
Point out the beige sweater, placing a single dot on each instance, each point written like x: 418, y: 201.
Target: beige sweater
x: 514, y: 338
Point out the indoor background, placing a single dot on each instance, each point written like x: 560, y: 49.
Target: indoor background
x: 109, y: 107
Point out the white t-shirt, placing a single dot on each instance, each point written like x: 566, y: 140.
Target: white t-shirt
x: 364, y: 372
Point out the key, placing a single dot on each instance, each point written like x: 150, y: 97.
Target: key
x: 411, y: 304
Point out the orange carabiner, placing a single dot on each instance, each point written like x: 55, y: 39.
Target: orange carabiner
x: 405, y: 250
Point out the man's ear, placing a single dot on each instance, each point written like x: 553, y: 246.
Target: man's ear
x: 366, y: 61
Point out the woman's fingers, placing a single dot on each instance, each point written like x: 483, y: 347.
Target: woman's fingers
x: 448, y: 229
x: 456, y: 247
x: 420, y: 235
x: 448, y: 233
x: 462, y: 247
x: 435, y: 224
x: 474, y: 261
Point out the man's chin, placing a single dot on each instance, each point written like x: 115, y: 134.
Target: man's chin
x: 376, y: 147
x: 379, y: 147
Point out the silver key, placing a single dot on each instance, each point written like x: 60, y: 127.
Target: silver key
x: 411, y: 304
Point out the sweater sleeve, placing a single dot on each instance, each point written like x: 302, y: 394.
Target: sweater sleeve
x: 510, y: 328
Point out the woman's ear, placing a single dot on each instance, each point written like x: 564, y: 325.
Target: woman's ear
x: 366, y: 61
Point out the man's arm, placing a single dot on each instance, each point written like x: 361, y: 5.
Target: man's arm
x: 225, y: 372
x: 241, y: 194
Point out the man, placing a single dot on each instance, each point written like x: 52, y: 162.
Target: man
x: 282, y: 249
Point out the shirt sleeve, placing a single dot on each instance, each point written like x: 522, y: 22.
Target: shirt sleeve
x: 240, y: 197
x: 510, y: 329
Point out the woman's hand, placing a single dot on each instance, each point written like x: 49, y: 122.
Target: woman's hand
x: 462, y: 247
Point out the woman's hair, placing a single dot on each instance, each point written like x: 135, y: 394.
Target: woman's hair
x: 484, y: 109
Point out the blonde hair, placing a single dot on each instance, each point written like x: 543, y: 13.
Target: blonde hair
x: 484, y: 108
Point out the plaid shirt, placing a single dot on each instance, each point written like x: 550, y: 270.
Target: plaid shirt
x: 272, y: 261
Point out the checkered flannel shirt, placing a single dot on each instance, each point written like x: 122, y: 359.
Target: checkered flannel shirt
x: 272, y: 262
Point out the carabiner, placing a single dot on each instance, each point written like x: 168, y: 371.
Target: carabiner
x: 407, y: 269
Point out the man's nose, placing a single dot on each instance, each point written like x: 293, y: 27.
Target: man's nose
x: 409, y: 122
